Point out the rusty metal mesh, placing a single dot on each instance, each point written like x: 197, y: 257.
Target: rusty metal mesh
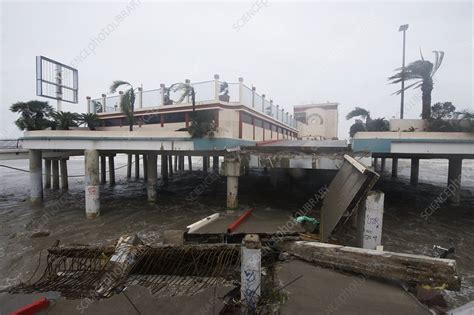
x: 165, y: 270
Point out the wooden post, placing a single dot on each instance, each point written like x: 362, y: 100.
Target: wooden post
x: 145, y: 167
x: 129, y: 165
x: 137, y: 166
x: 103, y: 174
x: 414, y: 171
x: 394, y: 167
x: 112, y: 170
x: 55, y: 163
x: 369, y: 220
x: 64, y: 176
x: 170, y: 164
x: 47, y: 173
x: 164, y: 167
x: 190, y: 162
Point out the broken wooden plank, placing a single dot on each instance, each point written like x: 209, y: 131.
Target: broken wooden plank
x: 410, y: 268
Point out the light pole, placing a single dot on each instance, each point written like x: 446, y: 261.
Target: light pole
x: 403, y: 28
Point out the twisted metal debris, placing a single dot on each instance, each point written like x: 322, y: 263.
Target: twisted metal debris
x: 166, y: 270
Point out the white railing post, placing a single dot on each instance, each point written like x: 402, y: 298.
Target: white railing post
x: 104, y: 98
x: 217, y: 87
x: 88, y: 98
x: 187, y: 82
x: 253, y: 96
x: 162, y: 87
x: 140, y: 97
x: 241, y: 89
x: 120, y: 101
x: 263, y: 104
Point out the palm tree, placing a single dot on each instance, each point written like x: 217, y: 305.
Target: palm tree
x: 65, y: 120
x: 33, y: 115
x: 359, y: 112
x: 422, y: 71
x: 128, y: 100
x: 89, y: 119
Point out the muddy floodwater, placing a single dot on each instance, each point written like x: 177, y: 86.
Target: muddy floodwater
x: 125, y: 210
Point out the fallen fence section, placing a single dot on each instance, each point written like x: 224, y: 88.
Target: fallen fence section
x: 413, y: 269
x: 166, y: 270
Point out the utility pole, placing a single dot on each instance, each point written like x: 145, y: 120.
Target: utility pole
x: 403, y: 28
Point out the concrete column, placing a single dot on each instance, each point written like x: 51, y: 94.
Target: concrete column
x: 182, y: 162
x: 251, y: 273
x: 64, y: 176
x: 369, y: 220
x: 47, y: 175
x: 137, y: 166
x: 112, y: 170
x: 152, y: 177
x: 170, y: 165
x: 175, y: 163
x: 454, y: 181
x: 204, y: 163
x: 376, y: 161
x: 190, y: 162
x: 394, y: 167
x: 36, y: 177
x: 55, y: 167
x: 414, y: 171
x: 382, y: 165
x: 103, y: 174
x: 215, y: 163
x: 145, y: 167
x: 164, y: 167
x: 129, y: 165
x: 92, y: 183
x: 231, y: 169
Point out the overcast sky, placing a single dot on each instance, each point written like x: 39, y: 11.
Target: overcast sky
x: 294, y: 52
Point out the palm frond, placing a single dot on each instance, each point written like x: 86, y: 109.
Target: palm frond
x: 116, y: 84
x: 358, y: 111
x: 439, y: 56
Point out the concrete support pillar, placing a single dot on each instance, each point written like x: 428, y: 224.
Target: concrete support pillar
x: 181, y: 163
x: 129, y: 165
x: 231, y: 169
x: 145, y: 167
x: 190, y: 162
x: 215, y: 163
x: 376, y: 161
x: 92, y: 188
x: 170, y: 165
x: 112, y: 170
x: 164, y: 167
x: 414, y: 171
x: 251, y: 273
x: 204, y: 163
x: 394, y: 167
x: 103, y: 173
x: 454, y: 181
x: 64, y: 175
x: 369, y: 220
x: 47, y: 173
x: 175, y: 163
x: 137, y: 166
x: 36, y: 177
x: 55, y: 166
x: 382, y: 165
x: 152, y: 177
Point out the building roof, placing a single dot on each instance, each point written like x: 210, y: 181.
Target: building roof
x: 328, y: 105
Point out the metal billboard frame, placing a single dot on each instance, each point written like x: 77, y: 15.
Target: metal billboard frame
x: 58, y: 83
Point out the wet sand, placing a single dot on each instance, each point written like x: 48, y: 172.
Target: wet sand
x: 125, y: 210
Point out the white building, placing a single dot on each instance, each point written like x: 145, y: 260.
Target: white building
x: 317, y: 121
